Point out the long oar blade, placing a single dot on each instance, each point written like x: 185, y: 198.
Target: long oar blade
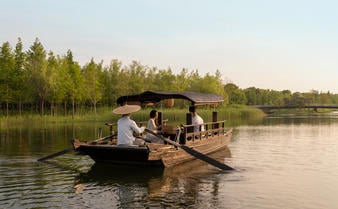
x: 206, y: 158
x: 193, y: 152
x: 56, y: 154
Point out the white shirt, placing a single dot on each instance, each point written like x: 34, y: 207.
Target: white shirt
x: 152, y: 126
x: 196, y: 120
x: 125, y: 129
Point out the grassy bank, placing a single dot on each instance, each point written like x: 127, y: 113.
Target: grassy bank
x: 230, y: 113
x: 300, y: 112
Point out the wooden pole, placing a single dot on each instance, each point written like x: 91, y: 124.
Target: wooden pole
x: 160, y: 118
x: 214, y: 119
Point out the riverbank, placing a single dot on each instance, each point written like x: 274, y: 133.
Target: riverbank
x: 301, y: 112
x: 231, y: 113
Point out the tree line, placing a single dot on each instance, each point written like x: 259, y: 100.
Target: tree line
x: 44, y: 83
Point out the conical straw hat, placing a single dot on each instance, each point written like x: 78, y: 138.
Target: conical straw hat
x: 126, y: 109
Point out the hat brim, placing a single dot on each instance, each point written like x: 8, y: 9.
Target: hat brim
x: 126, y: 109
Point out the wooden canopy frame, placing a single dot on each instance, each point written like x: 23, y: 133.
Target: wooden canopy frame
x: 196, y: 98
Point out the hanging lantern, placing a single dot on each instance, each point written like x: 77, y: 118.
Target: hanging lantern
x: 169, y: 102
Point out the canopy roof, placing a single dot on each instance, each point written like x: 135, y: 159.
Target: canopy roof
x: 147, y: 97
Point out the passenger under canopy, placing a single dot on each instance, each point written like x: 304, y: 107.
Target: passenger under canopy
x: 147, y: 97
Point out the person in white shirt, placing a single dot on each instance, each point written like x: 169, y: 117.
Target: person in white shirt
x: 126, y: 127
x: 153, y: 127
x: 196, y: 119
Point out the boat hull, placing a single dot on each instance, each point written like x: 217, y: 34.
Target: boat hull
x: 204, y: 146
x: 153, y: 154
x: 116, y: 154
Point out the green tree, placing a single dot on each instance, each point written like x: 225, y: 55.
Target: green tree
x: 194, y: 84
x: 251, y: 96
x: 135, y: 81
x: 286, y: 96
x: 36, y: 66
x: 63, y: 83
x: 182, y: 81
x: 165, y: 80
x: 92, y: 80
x: 150, y: 79
x: 116, y: 81
x: 236, y: 96
x: 74, y: 81
x: 297, y: 99
x: 20, y: 84
x: 211, y: 84
x: 52, y: 79
x: 107, y: 87
x: 276, y: 98
x: 7, y: 64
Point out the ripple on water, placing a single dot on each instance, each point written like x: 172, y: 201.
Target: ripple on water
x: 28, y: 184
x: 277, y: 166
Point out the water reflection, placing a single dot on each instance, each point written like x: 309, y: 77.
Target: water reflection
x: 105, y: 174
x: 132, y: 187
x: 30, y: 139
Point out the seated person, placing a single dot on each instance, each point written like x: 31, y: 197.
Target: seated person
x: 196, y: 119
x: 153, y: 127
x: 126, y: 127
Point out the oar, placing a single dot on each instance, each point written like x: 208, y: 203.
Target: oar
x: 68, y: 150
x: 56, y: 154
x: 193, y: 152
x: 104, y: 138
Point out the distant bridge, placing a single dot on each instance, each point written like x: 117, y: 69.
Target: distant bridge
x: 268, y: 108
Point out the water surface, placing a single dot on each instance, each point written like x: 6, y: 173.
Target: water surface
x: 280, y: 163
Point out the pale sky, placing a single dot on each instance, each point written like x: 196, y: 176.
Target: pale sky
x: 269, y: 44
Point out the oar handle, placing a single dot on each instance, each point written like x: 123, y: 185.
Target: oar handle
x: 163, y: 138
x: 56, y: 154
x: 104, y: 138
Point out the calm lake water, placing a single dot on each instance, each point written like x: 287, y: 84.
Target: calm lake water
x: 280, y: 163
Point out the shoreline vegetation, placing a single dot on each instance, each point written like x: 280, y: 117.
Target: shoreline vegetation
x: 37, y: 81
x: 104, y: 114
x: 233, y: 114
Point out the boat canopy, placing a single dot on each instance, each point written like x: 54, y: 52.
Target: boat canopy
x: 196, y: 98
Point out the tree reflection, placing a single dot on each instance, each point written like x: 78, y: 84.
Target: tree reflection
x: 131, y: 187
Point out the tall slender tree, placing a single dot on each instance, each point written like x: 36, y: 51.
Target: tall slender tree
x: 51, y: 71
x: 20, y: 75
x: 74, y: 82
x: 113, y: 82
x: 6, y: 72
x: 36, y: 66
x: 92, y: 79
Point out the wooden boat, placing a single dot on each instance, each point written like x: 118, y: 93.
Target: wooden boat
x: 178, y: 139
x: 102, y: 173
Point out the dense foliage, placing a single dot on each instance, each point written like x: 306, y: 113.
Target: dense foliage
x: 40, y: 82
